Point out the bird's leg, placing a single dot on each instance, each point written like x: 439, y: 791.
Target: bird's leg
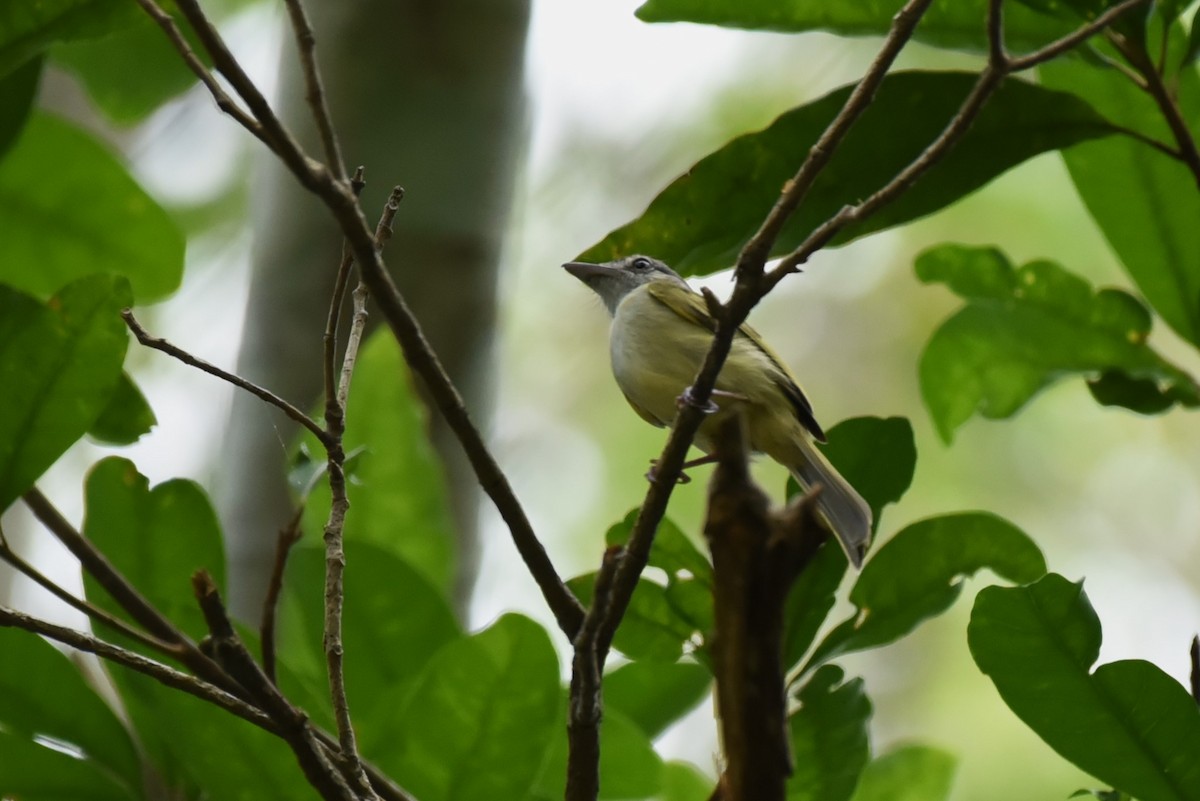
x: 652, y: 473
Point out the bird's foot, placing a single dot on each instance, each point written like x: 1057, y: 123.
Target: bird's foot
x: 688, y: 398
x: 684, y: 478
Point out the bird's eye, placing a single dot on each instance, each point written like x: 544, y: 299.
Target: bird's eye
x: 641, y: 263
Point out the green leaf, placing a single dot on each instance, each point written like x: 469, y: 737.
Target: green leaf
x: 829, y: 736
x: 654, y: 695
x: 876, y: 455
x: 1127, y: 723
x: 1144, y: 202
x: 156, y: 537
x: 685, y: 782
x: 481, y: 718
x: 17, y: 92
x: 126, y: 417
x: 809, y: 600
x: 202, y: 751
x: 661, y: 620
x: 652, y: 628
x: 59, y: 364
x: 398, y: 499
x: 394, y: 621
x: 700, y: 222
x: 918, y: 574
x: 73, y: 210
x: 909, y: 773
x: 957, y: 24
x: 27, y: 28
x: 1023, y: 329
x: 43, y: 694
x: 132, y: 71
x: 33, y: 772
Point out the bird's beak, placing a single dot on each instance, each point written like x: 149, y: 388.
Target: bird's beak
x: 585, y: 271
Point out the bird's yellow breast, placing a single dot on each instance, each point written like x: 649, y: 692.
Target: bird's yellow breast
x: 656, y: 355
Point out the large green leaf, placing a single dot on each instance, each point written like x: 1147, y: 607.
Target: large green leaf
x: 156, y: 537
x: 71, y: 209
x: 1127, y: 723
x: 17, y: 92
x: 909, y: 773
x: 700, y: 222
x: 59, y: 365
x: 397, y: 496
x: 918, y: 574
x: 809, y: 601
x: 1145, y: 203
x: 42, y: 693
x: 958, y: 24
x: 829, y: 735
x: 202, y: 751
x: 685, y: 782
x: 33, y: 772
x: 481, y: 718
x: 654, y: 695
x: 27, y: 28
x: 394, y: 621
x: 1024, y: 328
x: 653, y: 628
x: 130, y: 72
x: 877, y: 455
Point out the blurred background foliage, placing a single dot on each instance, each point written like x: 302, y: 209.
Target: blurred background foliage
x: 618, y: 109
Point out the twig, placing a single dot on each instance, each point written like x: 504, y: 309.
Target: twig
x: 157, y: 343
x: 583, y: 723
x: 309, y: 172
x: 224, y: 102
x: 289, y: 535
x: 293, y: 724
x: 156, y: 670
x: 756, y: 252
x: 1135, y: 53
x: 314, y: 91
x: 94, y: 613
x: 333, y: 321
x: 335, y: 556
x: 1076, y: 37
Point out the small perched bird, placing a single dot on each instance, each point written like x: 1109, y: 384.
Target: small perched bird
x: 662, y: 330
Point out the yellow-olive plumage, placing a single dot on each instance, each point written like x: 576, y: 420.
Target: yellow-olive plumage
x: 661, y: 332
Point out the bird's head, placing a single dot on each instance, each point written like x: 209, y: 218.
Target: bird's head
x: 613, y: 280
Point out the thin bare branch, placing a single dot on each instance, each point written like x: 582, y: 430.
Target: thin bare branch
x: 1073, y: 39
x: 157, y: 343
x: 756, y: 252
x: 333, y: 321
x: 161, y: 673
x: 94, y: 613
x: 289, y: 535
x: 224, y: 102
x: 314, y: 93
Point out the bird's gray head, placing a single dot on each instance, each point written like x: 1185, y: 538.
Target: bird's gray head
x: 613, y: 280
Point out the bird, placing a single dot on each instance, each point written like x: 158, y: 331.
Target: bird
x: 662, y: 330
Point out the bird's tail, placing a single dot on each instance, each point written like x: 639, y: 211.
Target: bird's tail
x: 839, y: 503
